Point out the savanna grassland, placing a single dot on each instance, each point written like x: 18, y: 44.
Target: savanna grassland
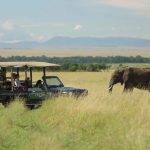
x: 68, y: 52
x: 97, y: 122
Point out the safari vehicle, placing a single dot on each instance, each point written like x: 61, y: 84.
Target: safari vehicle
x: 55, y: 87
x: 33, y: 94
x: 28, y: 91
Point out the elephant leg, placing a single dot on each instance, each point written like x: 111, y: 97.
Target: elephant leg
x: 125, y: 90
x: 128, y: 87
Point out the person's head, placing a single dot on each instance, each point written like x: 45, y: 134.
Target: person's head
x: 39, y: 82
x: 14, y: 75
x: 27, y: 78
x: 17, y: 76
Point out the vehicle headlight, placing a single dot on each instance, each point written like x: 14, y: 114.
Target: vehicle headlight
x: 70, y: 93
x: 64, y: 92
x: 67, y: 93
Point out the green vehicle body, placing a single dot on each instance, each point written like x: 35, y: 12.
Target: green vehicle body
x: 33, y: 96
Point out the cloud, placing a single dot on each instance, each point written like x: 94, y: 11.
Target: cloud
x: 12, y: 41
x: 37, y: 37
x: 141, y: 6
x: 20, y: 31
x: 7, y: 25
x: 78, y: 27
x: 14, y: 35
x: 42, y: 25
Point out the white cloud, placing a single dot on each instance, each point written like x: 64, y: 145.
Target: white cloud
x: 42, y: 25
x: 7, y: 25
x: 136, y: 4
x: 78, y: 27
x: 141, y: 6
x: 37, y: 37
x: 12, y: 41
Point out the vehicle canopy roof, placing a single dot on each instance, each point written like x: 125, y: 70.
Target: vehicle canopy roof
x: 28, y: 64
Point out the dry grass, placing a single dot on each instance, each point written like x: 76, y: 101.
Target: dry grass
x: 98, y: 122
x: 102, y: 51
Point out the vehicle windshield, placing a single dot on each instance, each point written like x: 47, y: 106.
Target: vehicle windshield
x: 54, y: 82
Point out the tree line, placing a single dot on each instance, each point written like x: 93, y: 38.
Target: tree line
x: 78, y: 63
x: 78, y: 59
x: 92, y: 67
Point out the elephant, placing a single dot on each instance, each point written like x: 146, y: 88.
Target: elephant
x: 131, y: 78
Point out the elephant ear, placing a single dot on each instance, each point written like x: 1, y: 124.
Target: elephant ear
x: 119, y: 71
x: 120, y: 68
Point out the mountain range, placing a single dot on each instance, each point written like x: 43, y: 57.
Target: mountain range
x: 79, y: 42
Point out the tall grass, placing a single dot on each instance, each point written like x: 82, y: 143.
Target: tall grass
x: 97, y: 122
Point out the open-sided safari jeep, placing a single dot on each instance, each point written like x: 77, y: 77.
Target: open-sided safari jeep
x: 33, y: 93
x: 54, y: 86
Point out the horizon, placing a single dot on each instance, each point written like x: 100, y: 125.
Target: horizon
x: 43, y: 20
x: 69, y: 37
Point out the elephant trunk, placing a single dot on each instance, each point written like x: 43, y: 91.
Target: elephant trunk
x: 110, y: 87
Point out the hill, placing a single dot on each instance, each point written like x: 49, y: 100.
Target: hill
x: 80, y: 42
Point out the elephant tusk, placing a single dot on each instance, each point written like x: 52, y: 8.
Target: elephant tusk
x: 110, y: 87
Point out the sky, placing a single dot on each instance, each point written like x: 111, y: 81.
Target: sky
x: 40, y: 20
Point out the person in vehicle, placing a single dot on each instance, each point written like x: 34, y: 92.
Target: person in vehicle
x: 39, y: 84
x: 17, y: 81
x: 28, y: 83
